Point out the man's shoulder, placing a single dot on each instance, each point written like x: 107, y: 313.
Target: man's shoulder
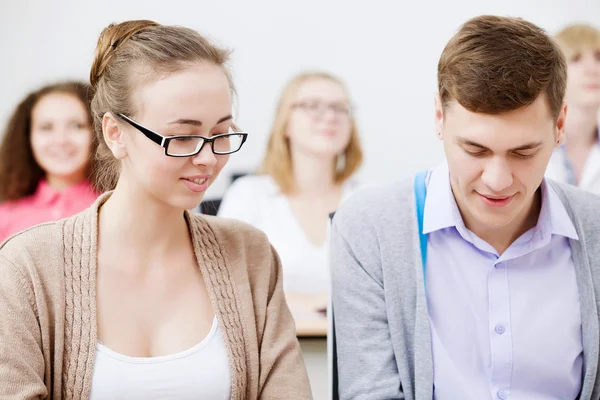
x: 583, y: 208
x: 376, y: 204
x: 578, y: 201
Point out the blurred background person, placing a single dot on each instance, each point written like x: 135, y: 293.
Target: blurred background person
x: 313, y: 153
x: 46, y: 158
x: 577, y: 161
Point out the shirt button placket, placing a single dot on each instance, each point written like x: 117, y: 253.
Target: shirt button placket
x: 499, y: 330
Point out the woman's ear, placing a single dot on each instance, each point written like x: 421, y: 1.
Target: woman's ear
x: 113, y: 136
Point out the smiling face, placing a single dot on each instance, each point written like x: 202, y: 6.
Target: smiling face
x: 320, y: 120
x: 193, y: 101
x: 583, y: 84
x: 61, y: 137
x: 497, y: 162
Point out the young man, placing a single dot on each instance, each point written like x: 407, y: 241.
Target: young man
x: 509, y: 307
x: 577, y: 161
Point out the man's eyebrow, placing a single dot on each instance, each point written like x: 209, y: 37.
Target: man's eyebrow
x: 467, y: 142
x: 526, y: 146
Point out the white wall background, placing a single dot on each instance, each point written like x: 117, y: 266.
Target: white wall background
x: 386, y: 51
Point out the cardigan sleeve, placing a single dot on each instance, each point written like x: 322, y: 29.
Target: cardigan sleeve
x: 22, y: 363
x: 365, y: 356
x: 282, y: 371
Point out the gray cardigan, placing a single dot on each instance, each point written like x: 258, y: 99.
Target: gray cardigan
x: 381, y: 322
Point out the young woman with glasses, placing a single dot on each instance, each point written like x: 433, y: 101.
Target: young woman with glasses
x: 313, y: 153
x: 135, y: 297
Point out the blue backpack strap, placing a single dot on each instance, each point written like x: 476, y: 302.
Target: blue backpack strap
x: 420, y: 187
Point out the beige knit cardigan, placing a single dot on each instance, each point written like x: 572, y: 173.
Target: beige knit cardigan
x: 48, y: 309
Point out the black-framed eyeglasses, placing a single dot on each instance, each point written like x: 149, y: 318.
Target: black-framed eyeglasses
x: 190, y: 145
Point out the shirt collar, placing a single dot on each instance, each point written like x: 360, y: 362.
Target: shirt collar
x: 553, y: 211
x: 440, y: 207
x: 45, y: 193
x: 441, y: 210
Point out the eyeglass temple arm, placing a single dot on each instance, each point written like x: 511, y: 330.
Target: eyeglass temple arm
x: 155, y: 137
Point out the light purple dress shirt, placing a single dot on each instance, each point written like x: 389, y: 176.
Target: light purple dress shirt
x: 503, y: 327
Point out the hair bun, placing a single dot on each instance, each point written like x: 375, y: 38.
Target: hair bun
x: 110, y: 39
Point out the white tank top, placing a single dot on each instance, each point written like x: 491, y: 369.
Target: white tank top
x: 202, y: 372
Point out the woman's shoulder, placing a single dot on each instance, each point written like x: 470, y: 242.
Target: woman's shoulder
x: 43, y: 244
x: 247, y: 252
x: 248, y: 197
x: 33, y: 251
x: 14, y: 215
x: 254, y: 183
x: 242, y: 243
x: 13, y: 205
x: 231, y: 233
x: 7, y: 209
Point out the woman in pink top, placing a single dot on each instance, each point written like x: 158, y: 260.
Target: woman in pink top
x: 46, y: 158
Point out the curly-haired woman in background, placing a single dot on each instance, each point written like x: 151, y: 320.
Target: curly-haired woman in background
x: 46, y: 158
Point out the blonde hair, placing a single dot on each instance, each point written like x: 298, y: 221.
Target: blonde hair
x: 278, y: 160
x: 129, y: 55
x: 576, y: 38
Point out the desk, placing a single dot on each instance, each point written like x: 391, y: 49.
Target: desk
x: 311, y: 329
x: 309, y: 321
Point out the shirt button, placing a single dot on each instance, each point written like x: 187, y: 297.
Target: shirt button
x: 500, y: 329
x: 502, y: 394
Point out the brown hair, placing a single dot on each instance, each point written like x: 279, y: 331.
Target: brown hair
x: 19, y: 172
x: 574, y: 39
x: 278, y: 160
x: 133, y: 53
x: 494, y: 65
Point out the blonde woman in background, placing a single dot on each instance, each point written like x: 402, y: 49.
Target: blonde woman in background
x: 577, y: 161
x: 312, y: 155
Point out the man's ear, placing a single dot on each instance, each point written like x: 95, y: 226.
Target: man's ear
x: 560, y: 125
x: 439, y: 116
